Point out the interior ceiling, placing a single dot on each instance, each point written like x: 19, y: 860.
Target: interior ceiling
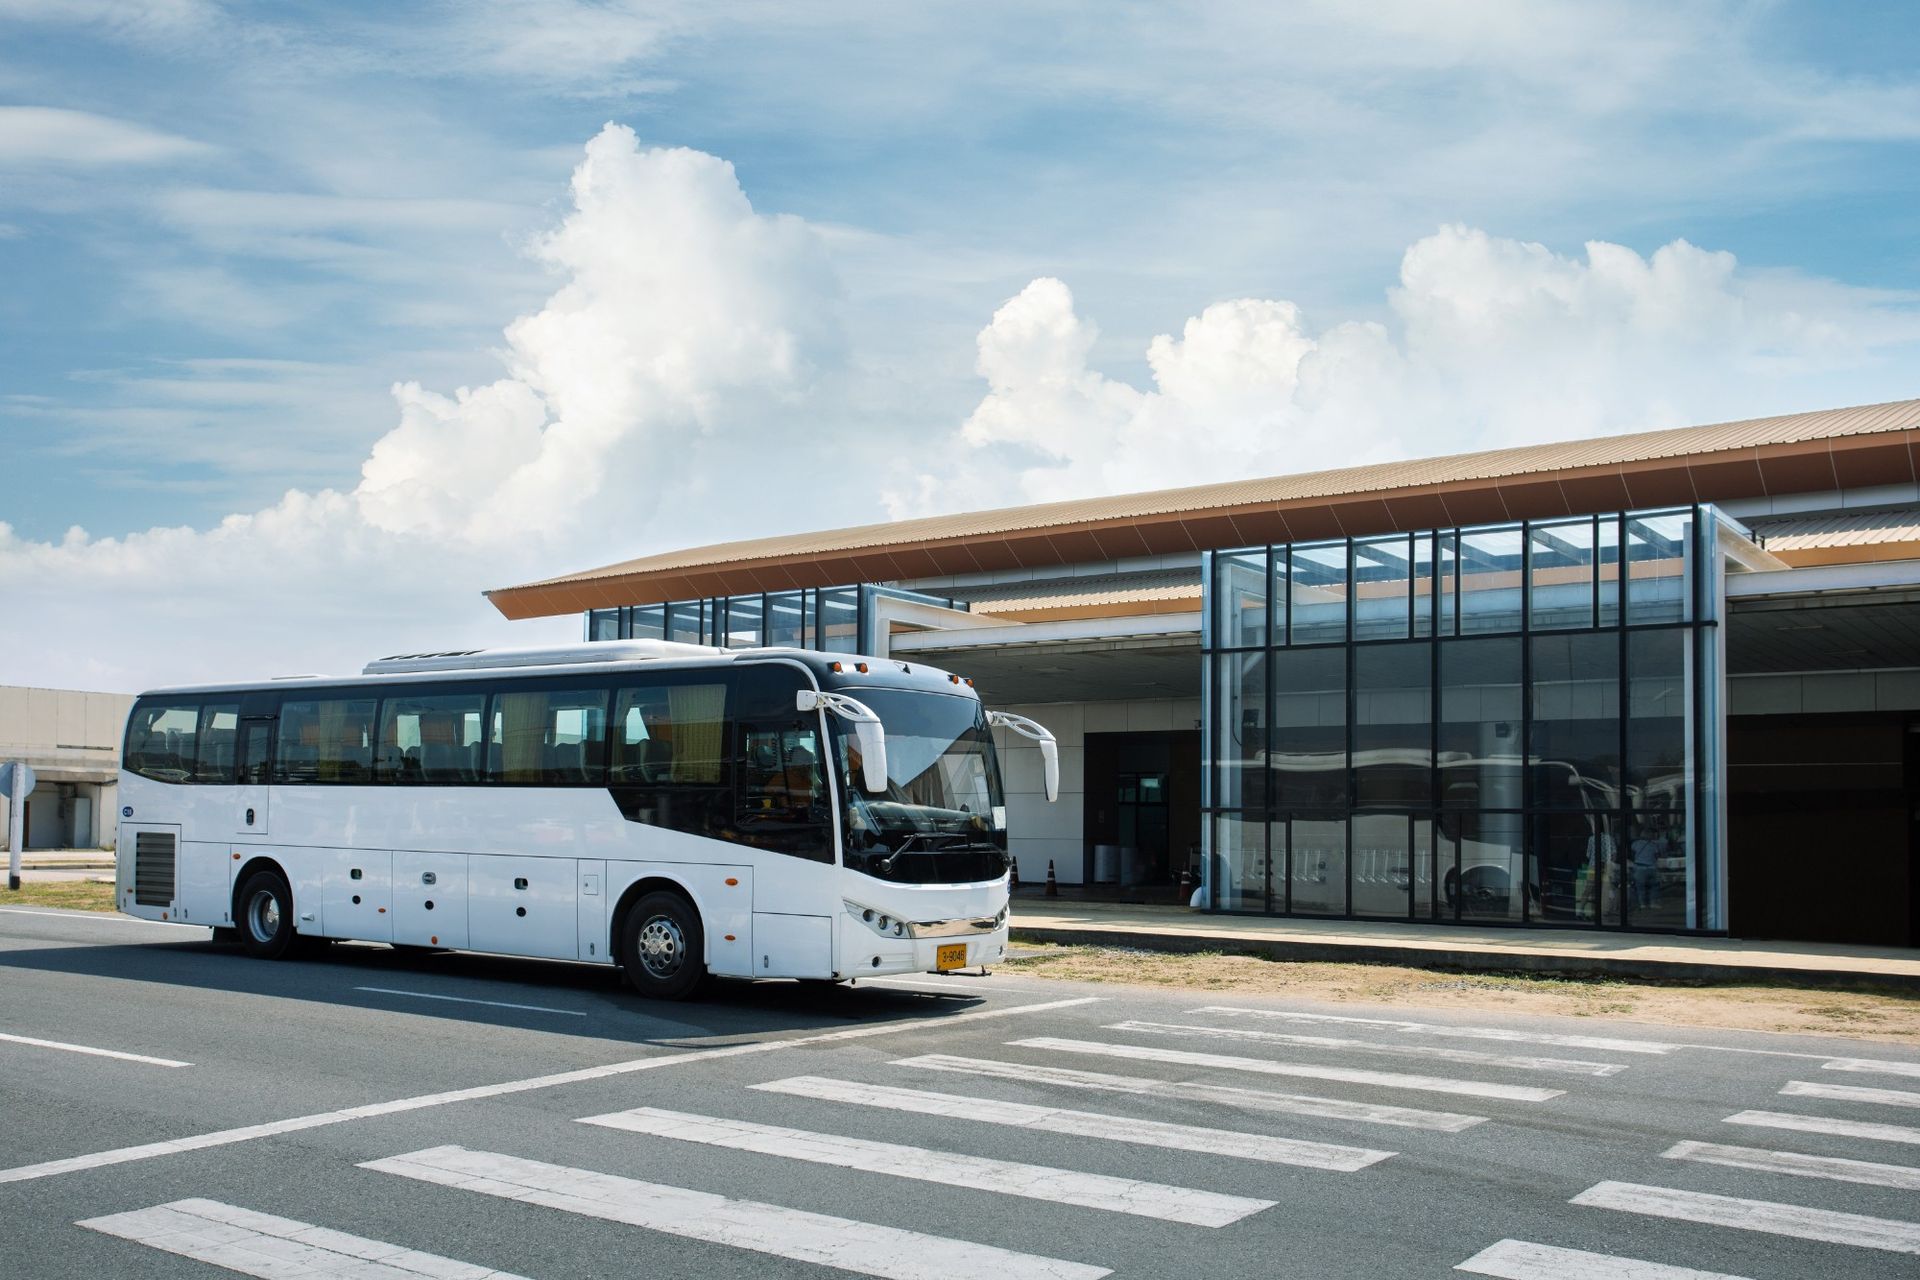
x: 1095, y: 671
x: 1823, y: 635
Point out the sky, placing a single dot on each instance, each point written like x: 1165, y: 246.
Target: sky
x: 319, y: 319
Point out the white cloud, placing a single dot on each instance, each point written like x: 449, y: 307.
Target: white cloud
x: 1491, y: 342
x: 682, y: 315
x: 54, y: 136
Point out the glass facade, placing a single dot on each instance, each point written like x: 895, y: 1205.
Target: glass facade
x: 834, y: 619
x: 1514, y: 723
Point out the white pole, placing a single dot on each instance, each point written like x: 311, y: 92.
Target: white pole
x: 16, y: 825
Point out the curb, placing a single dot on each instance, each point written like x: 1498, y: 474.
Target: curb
x: 1464, y: 961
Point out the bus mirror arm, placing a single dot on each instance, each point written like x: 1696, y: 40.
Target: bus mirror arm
x: 1049, y: 747
x: 867, y: 730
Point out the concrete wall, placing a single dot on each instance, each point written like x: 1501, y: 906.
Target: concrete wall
x: 1037, y: 830
x: 72, y: 739
x: 1823, y: 692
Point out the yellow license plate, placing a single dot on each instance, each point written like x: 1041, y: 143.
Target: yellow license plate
x: 952, y: 956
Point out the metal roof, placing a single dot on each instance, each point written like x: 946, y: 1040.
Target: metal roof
x: 1805, y: 452
x: 1839, y: 537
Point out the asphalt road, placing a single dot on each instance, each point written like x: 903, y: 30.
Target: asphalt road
x: 374, y: 1114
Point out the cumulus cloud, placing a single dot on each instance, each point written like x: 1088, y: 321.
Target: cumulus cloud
x: 53, y: 136
x: 681, y: 316
x: 1488, y: 342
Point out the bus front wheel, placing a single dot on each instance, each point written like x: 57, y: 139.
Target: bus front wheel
x: 662, y: 947
x: 266, y: 915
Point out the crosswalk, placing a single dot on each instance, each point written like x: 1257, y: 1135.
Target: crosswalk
x: 1238, y: 1139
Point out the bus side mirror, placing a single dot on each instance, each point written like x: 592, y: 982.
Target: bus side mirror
x: 867, y: 730
x: 1049, y: 747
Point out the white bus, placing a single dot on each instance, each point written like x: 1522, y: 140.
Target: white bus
x: 674, y: 810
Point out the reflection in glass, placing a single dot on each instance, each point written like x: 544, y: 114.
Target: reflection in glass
x: 1656, y: 718
x: 1657, y: 568
x: 744, y: 617
x: 1446, y: 568
x: 1382, y: 865
x: 648, y: 622
x: 1574, y: 757
x: 1487, y: 883
x: 1382, y: 576
x: 1242, y: 577
x: 1560, y: 563
x: 1240, y: 860
x: 1658, y: 861
x: 784, y: 620
x: 839, y: 621
x: 1242, y: 746
x: 1576, y: 870
x: 1435, y: 855
x: 1309, y: 742
x: 603, y: 624
x: 1392, y: 740
x: 1490, y: 563
x: 1318, y: 868
x: 1423, y: 584
x: 684, y: 622
x: 1606, y: 555
x: 1317, y: 592
x: 1480, y: 723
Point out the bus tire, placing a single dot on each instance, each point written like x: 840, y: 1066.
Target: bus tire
x: 662, y: 946
x: 266, y: 915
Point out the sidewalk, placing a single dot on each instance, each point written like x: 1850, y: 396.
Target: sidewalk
x: 1550, y: 951
x: 63, y: 864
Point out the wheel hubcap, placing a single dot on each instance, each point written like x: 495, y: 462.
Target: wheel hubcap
x: 263, y: 916
x: 663, y: 947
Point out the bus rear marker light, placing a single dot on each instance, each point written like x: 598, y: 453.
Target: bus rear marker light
x: 732, y: 881
x: 730, y: 937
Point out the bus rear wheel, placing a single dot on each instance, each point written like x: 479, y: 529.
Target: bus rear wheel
x: 662, y: 947
x: 266, y: 915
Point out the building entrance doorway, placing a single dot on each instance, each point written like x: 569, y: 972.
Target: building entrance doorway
x: 1142, y: 821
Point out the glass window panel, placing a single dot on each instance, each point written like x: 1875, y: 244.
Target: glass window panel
x: 1392, y: 726
x: 219, y: 733
x: 1480, y: 722
x: 1560, y: 565
x: 435, y: 738
x: 1446, y: 565
x: 1242, y: 747
x: 1277, y: 593
x: 1240, y: 862
x: 648, y: 622
x: 603, y: 624
x: 840, y: 620
x: 1308, y: 746
x: 548, y: 737
x: 1382, y: 578
x: 1657, y: 567
x: 1658, y: 867
x: 1606, y: 556
x: 669, y: 765
x: 785, y: 620
x: 1241, y: 578
x: 1317, y: 592
x: 1657, y: 709
x: 1577, y: 873
x: 744, y: 619
x: 1490, y: 567
x: 1486, y: 883
x: 325, y: 740
x: 160, y: 740
x: 683, y: 623
x: 1423, y: 593
x: 1435, y: 870
x: 1574, y: 758
x: 1382, y: 865
x: 1318, y: 868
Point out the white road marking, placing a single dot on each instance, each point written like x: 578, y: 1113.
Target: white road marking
x: 259, y: 1244
x: 860, y: 1247
x: 1794, y: 1220
x: 1442, y: 1029
x: 1087, y: 1124
x: 1471, y: 1056
x: 1259, y: 1066
x: 98, y: 917
x: 1851, y: 1093
x: 225, y: 1137
x: 949, y: 1169
x: 1821, y: 1124
x: 495, y: 1004
x: 1802, y: 1166
x: 1299, y: 1104
x: 1524, y: 1260
x: 1879, y: 1065
x: 90, y: 1050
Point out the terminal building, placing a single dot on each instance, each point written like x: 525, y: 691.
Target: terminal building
x: 1667, y: 681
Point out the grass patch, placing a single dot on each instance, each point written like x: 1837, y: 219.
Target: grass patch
x: 1863, y: 1013
x: 76, y: 895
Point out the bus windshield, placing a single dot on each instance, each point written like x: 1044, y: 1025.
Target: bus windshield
x: 942, y: 818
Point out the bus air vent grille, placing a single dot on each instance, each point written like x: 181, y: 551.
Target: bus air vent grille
x: 153, y: 854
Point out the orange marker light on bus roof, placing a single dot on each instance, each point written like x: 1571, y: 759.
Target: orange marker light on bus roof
x: 834, y: 666
x: 861, y: 667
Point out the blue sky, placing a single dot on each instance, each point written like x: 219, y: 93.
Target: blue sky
x: 227, y: 233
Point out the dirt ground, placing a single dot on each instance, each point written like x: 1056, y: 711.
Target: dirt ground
x: 1862, y: 1014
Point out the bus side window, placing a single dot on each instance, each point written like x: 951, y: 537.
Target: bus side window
x: 431, y: 738
x: 670, y: 765
x: 214, y: 759
x: 160, y: 740
x: 325, y: 740
x: 783, y: 800
x: 548, y: 737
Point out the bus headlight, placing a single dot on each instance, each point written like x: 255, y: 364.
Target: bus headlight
x: 885, y: 925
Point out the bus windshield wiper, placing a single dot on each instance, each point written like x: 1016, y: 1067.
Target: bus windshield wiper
x: 886, y: 864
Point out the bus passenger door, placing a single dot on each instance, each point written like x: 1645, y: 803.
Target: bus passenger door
x: 253, y: 759
x: 430, y: 899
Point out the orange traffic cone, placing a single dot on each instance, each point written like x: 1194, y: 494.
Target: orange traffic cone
x: 1053, y: 886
